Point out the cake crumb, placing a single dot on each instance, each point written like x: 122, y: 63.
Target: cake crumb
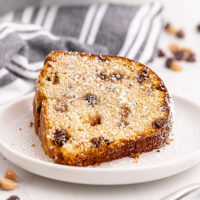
x: 97, y: 164
x: 158, y: 150
x: 135, y: 161
x: 135, y: 155
x: 4, y: 158
x: 31, y: 124
x: 33, y: 145
x: 13, y: 144
x: 20, y: 129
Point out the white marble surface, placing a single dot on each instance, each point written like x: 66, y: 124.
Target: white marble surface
x: 182, y: 14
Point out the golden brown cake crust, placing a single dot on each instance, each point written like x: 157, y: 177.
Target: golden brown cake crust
x: 104, y: 153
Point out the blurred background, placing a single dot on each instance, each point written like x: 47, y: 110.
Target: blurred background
x: 182, y: 14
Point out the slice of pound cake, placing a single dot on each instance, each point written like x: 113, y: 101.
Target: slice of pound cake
x: 91, y: 108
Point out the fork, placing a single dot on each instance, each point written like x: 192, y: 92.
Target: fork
x: 179, y: 194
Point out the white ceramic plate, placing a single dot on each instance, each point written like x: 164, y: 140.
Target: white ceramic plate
x: 183, y: 153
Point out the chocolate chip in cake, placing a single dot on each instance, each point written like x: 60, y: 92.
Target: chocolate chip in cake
x: 107, y: 141
x: 117, y: 76
x: 159, y: 123
x: 48, y: 79
x: 60, y: 137
x: 61, y: 107
x: 92, y: 99
x: 124, y: 122
x: 39, y: 109
x: 102, y: 59
x: 180, y: 34
x: 13, y: 197
x: 191, y: 58
x: 161, y: 87
x: 161, y: 53
x: 102, y: 75
x: 179, y: 55
x: 56, y: 79
x: 125, y: 111
x: 96, y: 141
x: 165, y: 108
x: 168, y: 62
x: 124, y: 115
x: 143, y: 76
x: 96, y: 120
x: 104, y: 140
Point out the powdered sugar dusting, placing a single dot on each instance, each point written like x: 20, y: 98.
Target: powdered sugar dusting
x: 122, y: 94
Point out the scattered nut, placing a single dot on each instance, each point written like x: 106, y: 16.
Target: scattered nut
x: 180, y: 34
x: 13, y: 197
x: 161, y: 53
x: 191, y: 58
x: 174, y: 47
x: 7, y: 184
x: 186, y: 50
x: 10, y: 174
x: 198, y: 28
x: 175, y: 66
x: 179, y: 55
x: 168, y: 62
x: 170, y: 29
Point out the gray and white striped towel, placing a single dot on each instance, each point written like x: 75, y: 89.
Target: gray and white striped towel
x: 28, y: 35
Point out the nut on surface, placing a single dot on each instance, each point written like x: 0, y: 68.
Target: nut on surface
x: 10, y: 174
x: 7, y: 184
x: 176, y: 66
x: 173, y: 47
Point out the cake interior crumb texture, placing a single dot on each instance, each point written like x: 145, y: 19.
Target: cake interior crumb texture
x: 86, y: 105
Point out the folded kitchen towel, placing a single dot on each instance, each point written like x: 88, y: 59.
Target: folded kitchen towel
x: 28, y: 35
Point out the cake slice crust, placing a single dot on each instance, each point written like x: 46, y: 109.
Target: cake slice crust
x: 91, y: 108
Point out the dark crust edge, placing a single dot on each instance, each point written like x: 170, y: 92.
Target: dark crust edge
x: 141, y: 145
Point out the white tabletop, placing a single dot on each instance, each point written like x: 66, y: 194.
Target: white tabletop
x: 182, y: 13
